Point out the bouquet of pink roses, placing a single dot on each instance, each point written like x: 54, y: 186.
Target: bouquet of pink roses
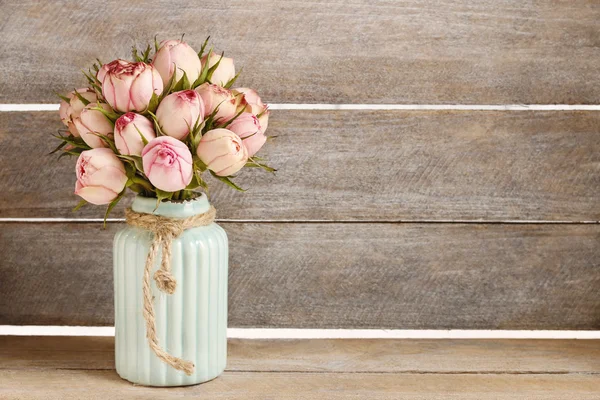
x: 156, y: 124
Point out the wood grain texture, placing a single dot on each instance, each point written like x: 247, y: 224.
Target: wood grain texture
x: 411, y: 276
x: 101, y: 385
x: 326, y: 355
x: 336, y: 51
x: 78, y: 367
x: 350, y: 165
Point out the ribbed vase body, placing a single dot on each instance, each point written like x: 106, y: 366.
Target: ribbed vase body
x: 192, y: 322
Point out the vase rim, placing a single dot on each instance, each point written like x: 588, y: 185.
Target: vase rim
x: 171, y: 209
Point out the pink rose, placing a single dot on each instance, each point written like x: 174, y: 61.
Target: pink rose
x: 178, y: 112
x: 167, y: 163
x: 94, y: 121
x: 68, y: 111
x: 222, y: 151
x: 127, y: 133
x: 129, y: 86
x: 100, y: 176
x: 250, y: 95
x: 248, y: 126
x: 255, y: 106
x: 176, y: 56
x: 104, y: 69
x: 224, y: 72
x: 213, y: 96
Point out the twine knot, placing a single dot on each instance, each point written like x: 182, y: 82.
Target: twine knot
x: 164, y: 230
x: 165, y: 281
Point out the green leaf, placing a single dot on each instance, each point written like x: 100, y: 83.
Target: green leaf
x: 92, y: 80
x: 135, y: 55
x: 194, y: 183
x: 186, y: 81
x: 60, y: 146
x: 153, y: 105
x: 262, y: 112
x: 204, y: 73
x: 199, y: 164
x: 109, y: 141
x: 112, y: 205
x: 156, y: 45
x: 141, y: 181
x: 157, y: 128
x: 162, y: 195
x: 232, y: 80
x: 144, y: 140
x: 79, y: 205
x: 212, y: 69
x: 208, y: 121
x: 201, y: 52
x: 111, y: 115
x: 64, y: 98
x: 135, y: 160
x: 77, y: 142
x: 169, y: 86
x: 81, y: 98
x: 197, y: 180
x: 130, y: 171
x: 227, y: 181
x: 146, y: 55
x: 135, y: 187
x: 226, y: 124
x: 183, y: 83
x: 196, y: 135
x: 253, y: 163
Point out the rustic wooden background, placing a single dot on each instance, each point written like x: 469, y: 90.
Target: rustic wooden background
x: 376, y: 219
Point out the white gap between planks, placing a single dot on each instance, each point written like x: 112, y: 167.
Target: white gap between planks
x: 284, y: 333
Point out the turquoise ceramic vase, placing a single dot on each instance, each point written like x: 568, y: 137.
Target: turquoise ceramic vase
x: 190, y: 323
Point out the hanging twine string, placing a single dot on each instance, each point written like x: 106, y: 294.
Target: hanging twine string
x: 165, y: 230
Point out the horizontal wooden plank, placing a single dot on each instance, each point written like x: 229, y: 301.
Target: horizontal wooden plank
x: 101, y: 385
x: 362, y: 165
x: 410, y: 51
x: 326, y: 355
x: 410, y: 276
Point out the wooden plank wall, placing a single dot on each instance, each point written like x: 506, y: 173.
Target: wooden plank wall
x: 376, y: 219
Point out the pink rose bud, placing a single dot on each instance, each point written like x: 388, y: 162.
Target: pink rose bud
x: 224, y: 72
x: 178, y: 112
x: 104, y: 69
x: 214, y: 96
x: 222, y: 151
x: 247, y: 127
x: 167, y: 163
x: 255, y: 106
x: 250, y: 95
x: 175, y: 56
x: 129, y: 86
x: 100, y: 176
x: 94, y: 121
x: 68, y: 111
x: 128, y: 130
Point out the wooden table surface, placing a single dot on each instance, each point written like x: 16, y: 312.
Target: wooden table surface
x: 83, y: 368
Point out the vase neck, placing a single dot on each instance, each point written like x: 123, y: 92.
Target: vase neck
x: 170, y: 209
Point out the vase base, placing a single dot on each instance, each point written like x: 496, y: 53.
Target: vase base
x: 171, y: 384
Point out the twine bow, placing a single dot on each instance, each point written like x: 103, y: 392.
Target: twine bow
x: 165, y: 230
